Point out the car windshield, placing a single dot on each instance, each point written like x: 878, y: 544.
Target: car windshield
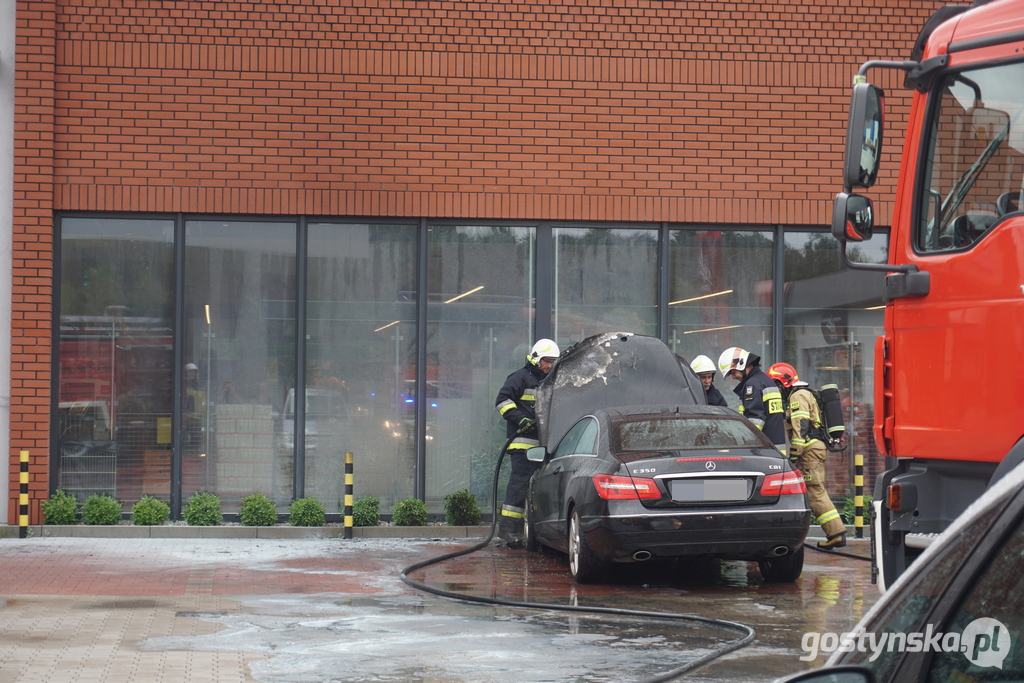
x: 681, y: 433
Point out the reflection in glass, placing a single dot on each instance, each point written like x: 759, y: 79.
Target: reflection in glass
x: 720, y: 295
x: 480, y: 317
x: 240, y: 336
x: 114, y: 377
x: 606, y: 280
x: 360, y: 361
x: 832, y: 316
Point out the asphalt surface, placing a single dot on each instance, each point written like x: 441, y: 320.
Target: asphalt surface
x: 305, y: 610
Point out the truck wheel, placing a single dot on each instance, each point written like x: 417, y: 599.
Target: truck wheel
x: 584, y: 565
x: 782, y: 569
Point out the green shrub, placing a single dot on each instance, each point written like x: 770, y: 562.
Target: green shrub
x: 410, y: 512
x: 202, y: 509
x: 60, y: 508
x: 257, y: 510
x: 366, y: 511
x: 850, y: 507
x: 150, y: 511
x: 306, y: 512
x: 99, y: 508
x: 460, y: 509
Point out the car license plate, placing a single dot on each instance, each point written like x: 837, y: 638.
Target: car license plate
x: 710, y: 489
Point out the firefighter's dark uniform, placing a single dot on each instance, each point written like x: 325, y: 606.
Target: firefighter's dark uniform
x: 515, y: 403
x: 803, y: 422
x: 761, y: 403
x: 714, y: 397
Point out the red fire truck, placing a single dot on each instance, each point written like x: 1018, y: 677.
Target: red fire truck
x: 949, y: 408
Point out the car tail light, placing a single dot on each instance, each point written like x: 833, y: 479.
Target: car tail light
x: 611, y: 487
x: 784, y: 483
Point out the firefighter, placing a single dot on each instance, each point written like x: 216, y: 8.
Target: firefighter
x: 760, y: 398
x: 515, y: 403
x: 705, y: 370
x: 808, y: 451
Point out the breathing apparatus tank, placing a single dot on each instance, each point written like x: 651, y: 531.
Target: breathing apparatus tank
x: 832, y: 417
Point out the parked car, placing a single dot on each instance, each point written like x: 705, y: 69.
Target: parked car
x: 956, y: 614
x: 326, y: 419
x: 629, y: 476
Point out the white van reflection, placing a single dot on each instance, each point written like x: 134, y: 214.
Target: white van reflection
x: 326, y: 418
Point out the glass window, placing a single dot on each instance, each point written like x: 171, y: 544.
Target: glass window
x: 574, y: 438
x: 115, y: 360
x: 998, y: 594
x: 480, y: 317
x: 907, y: 610
x: 720, y: 294
x: 588, y: 440
x: 974, y: 168
x: 832, y: 316
x: 689, y: 433
x: 360, y: 361
x: 606, y: 280
x: 239, y: 352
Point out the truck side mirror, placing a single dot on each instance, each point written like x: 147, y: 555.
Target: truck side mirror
x: 852, y: 218
x: 864, y: 136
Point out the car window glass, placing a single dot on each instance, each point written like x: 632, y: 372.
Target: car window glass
x: 684, y: 433
x: 907, y: 612
x: 588, y: 439
x: 571, y: 439
x: 989, y: 650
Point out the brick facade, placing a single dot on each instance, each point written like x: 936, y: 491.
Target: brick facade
x: 638, y: 110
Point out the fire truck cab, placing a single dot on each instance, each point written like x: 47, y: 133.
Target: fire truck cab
x: 949, y: 406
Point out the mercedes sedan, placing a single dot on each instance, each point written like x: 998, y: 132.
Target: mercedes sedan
x: 631, y: 484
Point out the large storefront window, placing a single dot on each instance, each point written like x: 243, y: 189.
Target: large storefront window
x: 720, y: 294
x: 480, y: 309
x: 832, y: 317
x: 360, y: 361
x: 605, y: 281
x: 239, y: 352
x: 114, y: 377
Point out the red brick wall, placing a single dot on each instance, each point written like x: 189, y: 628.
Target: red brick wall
x: 632, y: 110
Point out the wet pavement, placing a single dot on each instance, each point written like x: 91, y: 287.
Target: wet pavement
x: 297, y: 611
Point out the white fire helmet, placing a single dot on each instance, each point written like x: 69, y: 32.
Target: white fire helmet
x: 702, y: 364
x: 544, y: 348
x: 733, y: 358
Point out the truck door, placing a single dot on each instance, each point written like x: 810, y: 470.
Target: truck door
x: 956, y: 352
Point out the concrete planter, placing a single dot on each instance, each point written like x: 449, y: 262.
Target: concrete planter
x: 280, y: 531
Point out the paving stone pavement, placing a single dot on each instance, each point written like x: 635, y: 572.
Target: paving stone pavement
x: 227, y: 610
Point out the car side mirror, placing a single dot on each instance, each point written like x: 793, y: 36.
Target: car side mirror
x: 832, y: 674
x: 852, y: 218
x: 536, y: 454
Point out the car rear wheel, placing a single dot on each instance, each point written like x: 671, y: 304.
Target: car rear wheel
x: 529, y: 532
x: 584, y: 565
x: 782, y: 569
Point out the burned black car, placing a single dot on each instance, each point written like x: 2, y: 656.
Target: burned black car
x: 633, y: 476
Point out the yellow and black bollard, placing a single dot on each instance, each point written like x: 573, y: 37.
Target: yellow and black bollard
x: 858, y: 496
x: 348, y: 495
x: 23, y: 497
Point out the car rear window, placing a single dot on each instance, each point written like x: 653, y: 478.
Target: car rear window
x: 683, y: 433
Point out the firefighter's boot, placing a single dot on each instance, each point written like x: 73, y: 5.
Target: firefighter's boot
x: 833, y: 542
x: 510, y: 532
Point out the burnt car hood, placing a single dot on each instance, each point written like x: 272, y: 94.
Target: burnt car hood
x: 611, y: 370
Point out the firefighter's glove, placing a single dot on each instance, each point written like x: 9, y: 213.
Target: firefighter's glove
x: 526, y: 424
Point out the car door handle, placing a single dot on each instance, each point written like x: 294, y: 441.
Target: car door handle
x: 556, y: 470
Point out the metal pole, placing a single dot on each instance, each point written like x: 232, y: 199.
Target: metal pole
x: 858, y: 492
x: 23, y: 497
x: 348, y: 495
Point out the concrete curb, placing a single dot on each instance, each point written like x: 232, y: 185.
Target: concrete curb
x: 233, y: 531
